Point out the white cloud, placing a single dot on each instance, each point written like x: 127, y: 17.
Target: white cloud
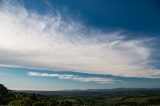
x: 28, y: 39
x: 74, y: 77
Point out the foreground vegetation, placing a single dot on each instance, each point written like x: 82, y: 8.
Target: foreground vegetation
x: 81, y: 98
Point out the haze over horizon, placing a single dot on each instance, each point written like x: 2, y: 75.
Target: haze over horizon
x: 69, y: 44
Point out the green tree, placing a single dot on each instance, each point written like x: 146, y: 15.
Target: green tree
x: 66, y: 103
x: 3, y: 90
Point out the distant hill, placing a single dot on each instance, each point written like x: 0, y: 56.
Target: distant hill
x: 96, y: 91
x: 4, y: 91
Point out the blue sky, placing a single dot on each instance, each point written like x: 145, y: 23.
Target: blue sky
x: 71, y: 44
x: 19, y: 79
x: 133, y: 15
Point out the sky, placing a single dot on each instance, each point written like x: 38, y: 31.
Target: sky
x: 73, y: 44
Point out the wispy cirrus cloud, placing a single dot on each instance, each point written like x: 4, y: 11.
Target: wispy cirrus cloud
x: 99, y: 80
x: 48, y: 41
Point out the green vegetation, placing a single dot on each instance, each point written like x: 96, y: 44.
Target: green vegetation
x: 81, y: 98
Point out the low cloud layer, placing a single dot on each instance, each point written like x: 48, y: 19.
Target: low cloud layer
x: 29, y: 39
x: 74, y: 77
